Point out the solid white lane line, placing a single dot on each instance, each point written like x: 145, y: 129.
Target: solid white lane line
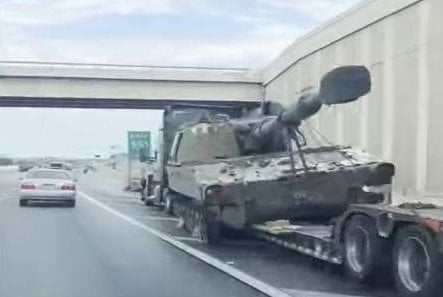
x: 121, y: 200
x: 240, y: 275
x: 187, y: 238
x: 214, y: 262
x: 296, y: 292
x: 155, y: 218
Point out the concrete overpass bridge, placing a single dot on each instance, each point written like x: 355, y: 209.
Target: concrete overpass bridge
x: 34, y: 84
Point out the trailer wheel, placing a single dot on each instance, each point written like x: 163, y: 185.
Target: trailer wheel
x: 418, y: 265
x: 362, y: 247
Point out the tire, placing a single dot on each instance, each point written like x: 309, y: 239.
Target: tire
x: 169, y: 204
x: 148, y: 202
x: 158, y: 194
x: 209, y: 231
x: 71, y: 203
x: 23, y: 202
x: 143, y: 189
x: 362, y: 248
x: 418, y: 264
x: 143, y: 195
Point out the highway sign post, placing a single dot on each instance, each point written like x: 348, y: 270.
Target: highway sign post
x: 139, y: 147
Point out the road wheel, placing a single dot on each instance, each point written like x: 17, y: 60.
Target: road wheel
x: 143, y: 194
x: 71, y: 203
x: 169, y: 204
x: 146, y: 188
x: 209, y: 230
x: 148, y: 202
x: 362, y: 248
x: 158, y: 194
x: 418, y: 265
x: 23, y: 202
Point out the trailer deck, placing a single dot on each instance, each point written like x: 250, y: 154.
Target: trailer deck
x: 313, y: 240
x: 324, y: 241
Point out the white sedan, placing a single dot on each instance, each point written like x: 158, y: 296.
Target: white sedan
x: 48, y: 185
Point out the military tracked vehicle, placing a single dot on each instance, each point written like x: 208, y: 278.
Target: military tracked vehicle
x: 257, y: 168
x: 260, y: 173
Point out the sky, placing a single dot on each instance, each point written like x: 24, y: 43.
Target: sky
x: 214, y: 33
x: 72, y: 133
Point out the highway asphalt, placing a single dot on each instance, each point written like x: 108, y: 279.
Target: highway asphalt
x: 88, y: 251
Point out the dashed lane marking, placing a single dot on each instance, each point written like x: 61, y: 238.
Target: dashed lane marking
x: 7, y: 194
x: 214, y: 262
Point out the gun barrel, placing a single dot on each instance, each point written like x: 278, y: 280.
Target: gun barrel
x: 306, y: 106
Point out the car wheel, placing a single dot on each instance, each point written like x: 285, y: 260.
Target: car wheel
x: 23, y: 202
x: 71, y: 203
x: 418, y: 265
x: 362, y: 247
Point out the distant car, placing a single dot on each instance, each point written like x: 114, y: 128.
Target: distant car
x: 60, y: 165
x: 48, y: 185
x: 88, y: 168
x: 25, y: 167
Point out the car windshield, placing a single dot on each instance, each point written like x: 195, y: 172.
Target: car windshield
x: 56, y: 165
x: 46, y: 174
x: 206, y: 143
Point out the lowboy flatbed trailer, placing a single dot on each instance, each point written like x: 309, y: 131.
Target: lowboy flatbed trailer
x: 407, y: 239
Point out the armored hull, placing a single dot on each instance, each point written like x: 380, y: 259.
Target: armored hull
x: 247, y: 190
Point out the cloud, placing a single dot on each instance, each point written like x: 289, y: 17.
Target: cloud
x: 14, y: 43
x: 156, y: 51
x: 35, y: 12
x: 247, y: 33
x: 318, y: 9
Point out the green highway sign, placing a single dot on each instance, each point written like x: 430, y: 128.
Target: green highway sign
x: 139, y: 144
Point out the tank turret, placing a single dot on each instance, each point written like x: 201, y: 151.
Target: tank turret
x: 266, y: 133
